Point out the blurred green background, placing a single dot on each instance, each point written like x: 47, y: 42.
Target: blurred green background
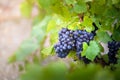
x: 29, y: 30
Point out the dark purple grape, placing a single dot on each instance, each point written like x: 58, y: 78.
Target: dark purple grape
x: 113, y: 48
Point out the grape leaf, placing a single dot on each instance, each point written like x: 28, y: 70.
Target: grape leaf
x: 101, y: 47
x: 72, y: 55
x: 51, y: 26
x: 52, y: 71
x: 92, y: 51
x: 88, y: 0
x: 47, y: 51
x: 103, y: 36
x: 54, y: 37
x: 98, y: 6
x: 85, y: 46
x: 87, y: 22
x: 81, y: 7
x: 85, y: 73
x: 63, y: 12
x: 69, y: 2
x: 33, y: 73
x: 105, y: 58
x: 96, y: 21
x: 31, y: 44
x: 27, y: 47
x: 39, y: 30
x: 116, y: 34
x: 115, y: 1
x: 46, y: 3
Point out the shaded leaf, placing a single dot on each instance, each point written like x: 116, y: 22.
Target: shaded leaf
x: 50, y: 72
x: 39, y: 30
x: 105, y: 58
x: 27, y: 47
x: 84, y: 72
x: 88, y: 0
x: 116, y: 34
x: 81, y: 7
x: 115, y: 1
x: 103, y: 36
x: 69, y: 2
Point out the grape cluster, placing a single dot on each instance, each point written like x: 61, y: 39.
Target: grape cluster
x: 66, y: 43
x: 81, y: 36
x: 72, y: 40
x: 113, y: 48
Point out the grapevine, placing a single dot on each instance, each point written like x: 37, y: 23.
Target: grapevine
x: 79, y: 29
x: 73, y: 40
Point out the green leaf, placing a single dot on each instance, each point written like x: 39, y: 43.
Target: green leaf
x: 51, y: 26
x: 69, y: 2
x: 46, y: 3
x: 63, y: 13
x: 101, y: 47
x: 39, y: 30
x: 47, y: 51
x: 85, y: 46
x: 116, y: 73
x: 26, y: 9
x: 116, y: 34
x: 54, y: 37
x: 103, y: 36
x: 52, y: 71
x: 30, y: 45
x: 105, y: 58
x: 98, y: 6
x: 96, y: 21
x: 87, y: 22
x: 81, y: 7
x: 88, y: 0
x: 93, y: 50
x: 115, y: 1
x: 72, y: 55
x: 34, y: 72
x: 84, y: 72
x: 27, y: 47
x: 104, y: 75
